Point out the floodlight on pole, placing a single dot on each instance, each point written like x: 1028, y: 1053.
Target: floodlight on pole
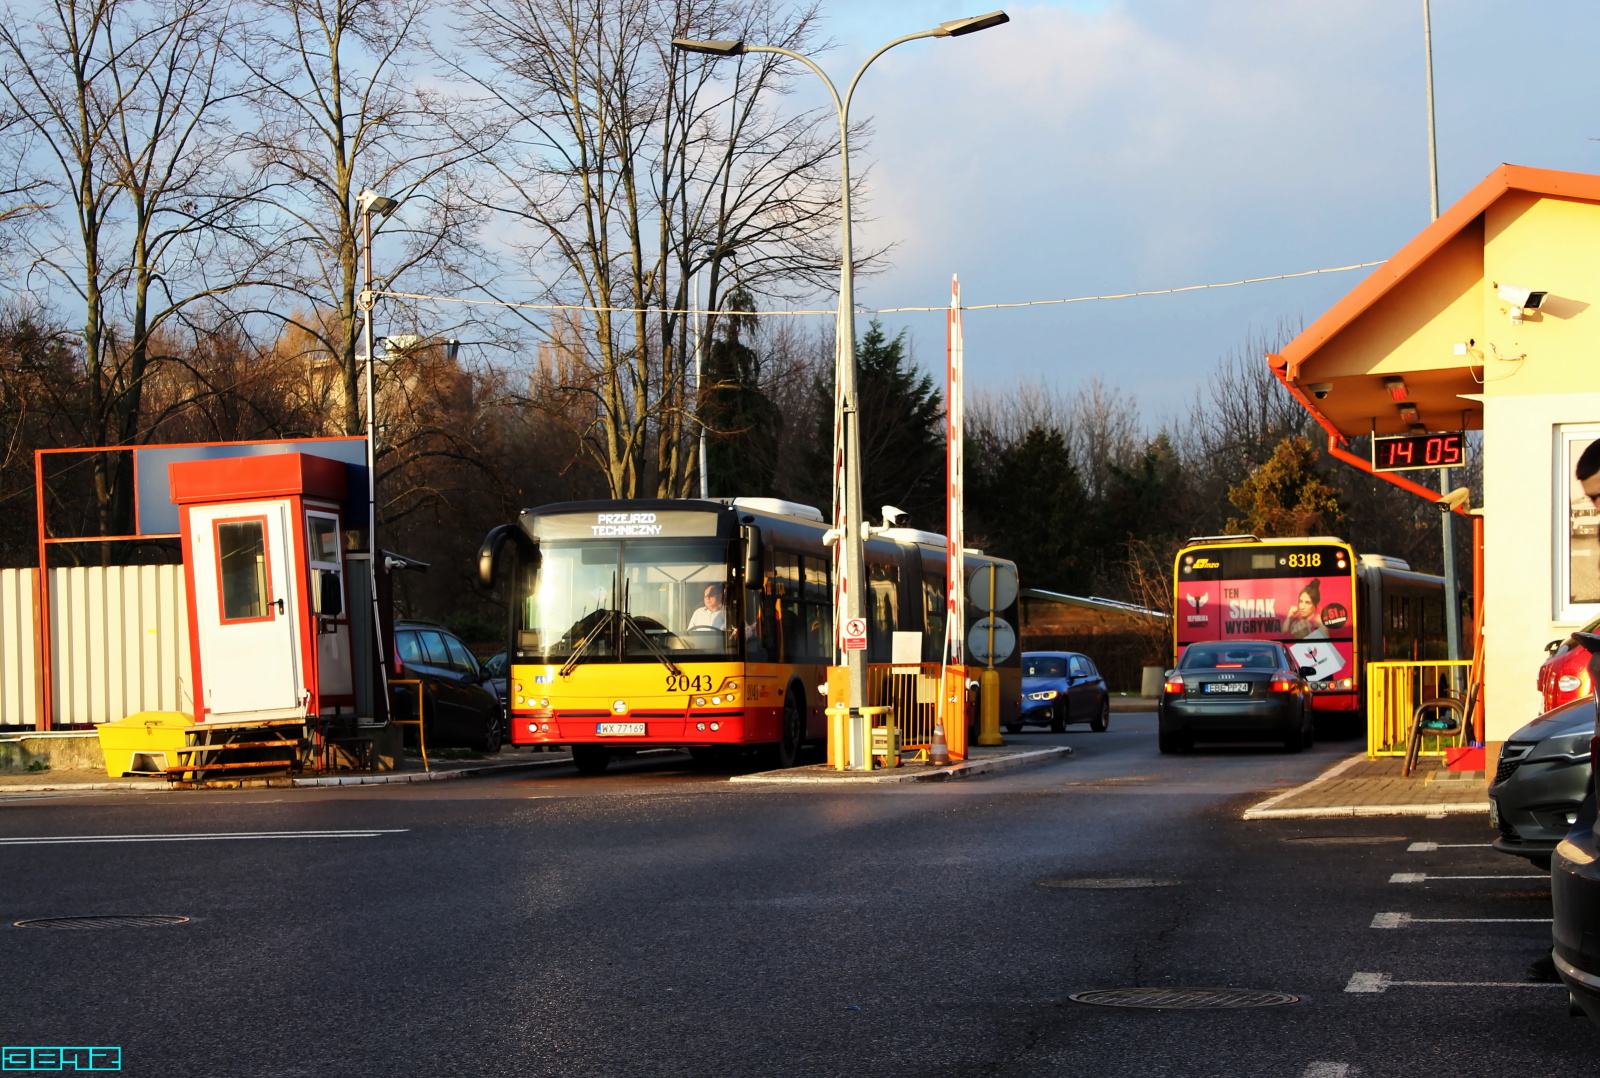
x: 849, y: 518
x: 369, y: 202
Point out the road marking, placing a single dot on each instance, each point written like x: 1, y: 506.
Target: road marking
x: 1380, y: 982
x: 43, y: 840
x: 1401, y: 920
x: 1429, y: 847
x: 1327, y: 1070
x: 1419, y: 877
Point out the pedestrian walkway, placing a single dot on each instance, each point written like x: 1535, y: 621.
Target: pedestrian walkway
x: 1358, y: 786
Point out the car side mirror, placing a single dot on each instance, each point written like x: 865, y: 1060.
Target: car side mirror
x: 1307, y: 671
x: 1550, y: 648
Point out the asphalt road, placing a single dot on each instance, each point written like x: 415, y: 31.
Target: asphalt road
x: 661, y: 921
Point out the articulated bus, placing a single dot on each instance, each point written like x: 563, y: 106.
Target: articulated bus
x: 1335, y: 610
x: 699, y: 624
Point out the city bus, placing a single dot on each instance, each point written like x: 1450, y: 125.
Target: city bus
x: 1336, y: 610
x: 699, y: 624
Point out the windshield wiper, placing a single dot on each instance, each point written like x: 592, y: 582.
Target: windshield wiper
x: 630, y: 622
x: 599, y: 627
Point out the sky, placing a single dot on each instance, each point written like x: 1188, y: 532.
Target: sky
x: 1093, y: 147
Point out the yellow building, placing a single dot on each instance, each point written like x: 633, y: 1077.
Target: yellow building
x: 1452, y: 333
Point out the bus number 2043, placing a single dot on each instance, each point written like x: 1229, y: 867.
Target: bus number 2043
x: 689, y: 683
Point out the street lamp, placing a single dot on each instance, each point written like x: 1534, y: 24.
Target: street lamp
x: 369, y: 203
x: 854, y: 521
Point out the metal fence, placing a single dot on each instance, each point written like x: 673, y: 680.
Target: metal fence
x: 119, y: 644
x: 913, y: 692
x: 1394, y: 692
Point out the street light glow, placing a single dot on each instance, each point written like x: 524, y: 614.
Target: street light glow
x: 710, y: 48
x: 958, y: 27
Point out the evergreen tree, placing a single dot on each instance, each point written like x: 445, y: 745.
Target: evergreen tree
x: 1028, y: 503
x: 744, y: 429
x: 1287, y: 496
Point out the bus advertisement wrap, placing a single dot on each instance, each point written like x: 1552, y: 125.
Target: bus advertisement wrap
x: 1310, y: 614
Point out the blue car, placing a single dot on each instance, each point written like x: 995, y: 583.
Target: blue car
x: 1059, y: 687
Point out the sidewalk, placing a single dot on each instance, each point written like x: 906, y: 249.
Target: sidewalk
x: 1358, y: 786
x: 982, y: 761
x: 442, y: 770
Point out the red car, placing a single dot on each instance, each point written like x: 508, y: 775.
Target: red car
x: 1564, y: 677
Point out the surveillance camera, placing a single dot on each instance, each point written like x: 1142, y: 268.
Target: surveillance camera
x: 1520, y: 298
x: 1460, y: 497
x: 893, y: 518
x: 1320, y: 390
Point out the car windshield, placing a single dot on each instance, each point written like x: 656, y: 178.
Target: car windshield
x: 633, y: 600
x: 1231, y: 657
x: 1043, y: 666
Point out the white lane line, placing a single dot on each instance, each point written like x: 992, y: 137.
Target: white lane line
x: 1401, y: 920
x: 57, y: 840
x: 1419, y: 877
x: 1380, y: 982
x: 1328, y: 1070
x: 1429, y: 847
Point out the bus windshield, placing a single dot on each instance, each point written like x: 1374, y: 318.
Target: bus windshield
x: 629, y: 600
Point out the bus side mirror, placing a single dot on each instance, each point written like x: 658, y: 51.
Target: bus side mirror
x: 489, y: 552
x: 330, y: 593
x: 751, y: 537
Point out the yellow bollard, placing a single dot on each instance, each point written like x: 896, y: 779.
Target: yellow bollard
x: 838, y: 737
x: 989, y: 707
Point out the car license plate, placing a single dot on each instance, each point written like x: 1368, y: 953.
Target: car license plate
x: 1494, y: 813
x: 619, y: 729
x: 1225, y: 686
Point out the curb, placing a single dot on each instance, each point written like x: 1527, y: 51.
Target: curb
x: 943, y: 774
x: 1333, y: 811
x: 393, y: 777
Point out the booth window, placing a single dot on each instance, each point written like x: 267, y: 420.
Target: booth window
x: 1577, y: 568
x: 242, y: 557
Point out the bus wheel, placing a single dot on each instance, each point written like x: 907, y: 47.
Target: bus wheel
x: 786, y: 753
x: 590, y: 759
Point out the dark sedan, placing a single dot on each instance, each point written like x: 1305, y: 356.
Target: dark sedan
x: 461, y: 706
x: 1240, y: 688
x: 1059, y: 687
x: 1542, y: 777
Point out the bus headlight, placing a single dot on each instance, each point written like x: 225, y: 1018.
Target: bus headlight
x: 699, y: 701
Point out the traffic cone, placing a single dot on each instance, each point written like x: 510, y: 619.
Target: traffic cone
x: 939, y: 752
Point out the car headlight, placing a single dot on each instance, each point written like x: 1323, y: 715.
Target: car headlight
x: 1047, y: 694
x: 1565, y: 746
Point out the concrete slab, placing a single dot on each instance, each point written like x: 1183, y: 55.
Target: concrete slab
x: 1357, y: 786
x: 983, y: 762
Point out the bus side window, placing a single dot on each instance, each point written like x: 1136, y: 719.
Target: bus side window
x: 933, y: 618
x: 883, y: 610
x: 818, y: 611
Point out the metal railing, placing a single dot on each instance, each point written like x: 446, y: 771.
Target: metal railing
x: 911, y: 692
x: 1395, y: 692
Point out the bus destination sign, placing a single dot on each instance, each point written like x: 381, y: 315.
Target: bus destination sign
x: 1400, y: 453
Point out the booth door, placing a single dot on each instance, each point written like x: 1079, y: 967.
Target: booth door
x: 246, y: 621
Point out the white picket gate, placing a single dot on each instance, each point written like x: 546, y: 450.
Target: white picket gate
x: 119, y: 641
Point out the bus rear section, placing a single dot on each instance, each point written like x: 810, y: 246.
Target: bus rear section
x: 1302, y: 592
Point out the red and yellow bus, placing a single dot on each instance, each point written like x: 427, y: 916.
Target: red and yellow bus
x: 700, y: 624
x: 1336, y: 610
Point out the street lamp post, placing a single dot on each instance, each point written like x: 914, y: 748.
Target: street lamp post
x: 369, y: 203
x: 851, y: 527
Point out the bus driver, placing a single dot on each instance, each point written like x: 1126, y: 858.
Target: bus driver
x: 712, y: 615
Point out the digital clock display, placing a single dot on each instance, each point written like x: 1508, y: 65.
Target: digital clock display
x: 1398, y: 454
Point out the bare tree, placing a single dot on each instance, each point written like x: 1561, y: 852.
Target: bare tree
x: 125, y: 98
x: 626, y: 170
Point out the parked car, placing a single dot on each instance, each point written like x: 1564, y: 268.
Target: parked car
x: 1540, y: 782
x: 1236, y: 688
x: 496, y: 673
x: 1564, y: 676
x: 460, y: 705
x: 1059, y: 687
x: 1575, y: 896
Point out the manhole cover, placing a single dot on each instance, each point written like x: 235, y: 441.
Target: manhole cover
x: 1108, y: 883
x: 1186, y: 999
x: 142, y: 920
